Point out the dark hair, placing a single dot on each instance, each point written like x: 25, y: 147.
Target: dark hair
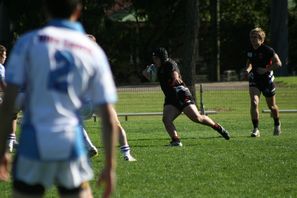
x: 161, y: 53
x: 61, y: 8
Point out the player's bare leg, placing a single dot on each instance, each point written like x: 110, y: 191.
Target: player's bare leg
x: 122, y: 136
x: 91, y: 148
x: 254, y: 110
x: 192, y: 112
x: 271, y: 103
x: 12, y: 142
x: 255, y: 98
x: 170, y: 113
x: 124, y: 146
x: 123, y: 140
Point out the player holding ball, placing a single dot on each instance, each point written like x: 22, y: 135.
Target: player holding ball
x: 178, y: 98
x: 262, y: 60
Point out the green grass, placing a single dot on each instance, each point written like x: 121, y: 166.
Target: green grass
x: 207, y: 165
x: 287, y: 81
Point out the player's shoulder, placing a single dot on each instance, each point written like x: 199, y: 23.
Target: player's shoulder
x: 170, y: 62
x: 98, y: 51
x: 250, y: 50
x: 266, y: 48
x: 29, y: 34
x: 24, y: 41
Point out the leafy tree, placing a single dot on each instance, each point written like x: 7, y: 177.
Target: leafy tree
x: 292, y: 62
x: 128, y: 30
x: 24, y: 15
x: 237, y: 18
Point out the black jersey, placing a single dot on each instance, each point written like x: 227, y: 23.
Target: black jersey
x: 165, y: 77
x: 260, y: 57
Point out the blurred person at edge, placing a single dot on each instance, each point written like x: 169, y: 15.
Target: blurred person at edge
x: 51, y: 149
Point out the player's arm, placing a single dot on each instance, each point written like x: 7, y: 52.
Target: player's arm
x: 176, y: 78
x: 146, y: 72
x: 276, y: 63
x: 248, y: 68
x: 109, y: 136
x: 6, y: 112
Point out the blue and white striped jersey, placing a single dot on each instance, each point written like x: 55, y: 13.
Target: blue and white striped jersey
x: 58, y: 65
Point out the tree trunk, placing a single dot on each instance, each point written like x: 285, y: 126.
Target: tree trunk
x: 190, y: 48
x: 214, y: 69
x: 4, y: 26
x: 218, y: 46
x: 279, y: 32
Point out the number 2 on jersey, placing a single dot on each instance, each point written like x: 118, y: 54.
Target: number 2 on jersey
x: 57, y: 79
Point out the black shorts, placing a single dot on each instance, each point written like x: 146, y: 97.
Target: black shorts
x: 38, y: 189
x: 180, y: 98
x: 265, y: 84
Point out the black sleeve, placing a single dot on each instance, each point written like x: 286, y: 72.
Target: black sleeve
x: 270, y: 52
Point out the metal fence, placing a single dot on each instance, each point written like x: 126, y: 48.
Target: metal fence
x: 226, y: 97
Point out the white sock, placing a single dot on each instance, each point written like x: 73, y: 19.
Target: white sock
x: 12, y: 136
x: 125, y: 150
x: 87, y: 140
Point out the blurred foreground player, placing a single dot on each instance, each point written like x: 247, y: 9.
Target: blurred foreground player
x: 63, y: 65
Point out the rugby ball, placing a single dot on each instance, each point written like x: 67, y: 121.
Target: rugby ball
x: 151, y: 71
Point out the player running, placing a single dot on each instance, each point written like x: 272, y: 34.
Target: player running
x: 178, y: 98
x: 262, y: 60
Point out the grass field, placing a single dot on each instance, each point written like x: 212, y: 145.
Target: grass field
x: 207, y: 165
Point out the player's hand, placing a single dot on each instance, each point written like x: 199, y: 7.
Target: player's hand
x: 5, y: 167
x: 145, y: 72
x: 107, y: 179
x: 176, y: 81
x: 244, y: 75
x: 269, y: 67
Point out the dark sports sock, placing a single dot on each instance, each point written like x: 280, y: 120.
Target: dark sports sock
x: 216, y: 127
x: 255, y: 123
x: 276, y: 121
x: 175, y: 139
x: 12, y: 136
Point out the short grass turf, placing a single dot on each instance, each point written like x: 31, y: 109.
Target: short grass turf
x: 207, y: 165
